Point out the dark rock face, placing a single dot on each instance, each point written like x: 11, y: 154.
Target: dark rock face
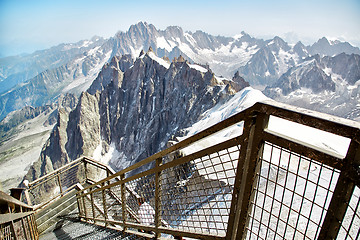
x: 67, y: 101
x: 55, y: 145
x: 324, y: 48
x: 325, y: 84
x: 137, y: 115
x: 111, y: 72
x: 314, y: 74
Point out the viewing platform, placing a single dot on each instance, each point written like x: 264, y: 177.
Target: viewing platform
x: 272, y: 171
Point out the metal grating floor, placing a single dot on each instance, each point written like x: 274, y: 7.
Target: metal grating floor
x: 69, y: 227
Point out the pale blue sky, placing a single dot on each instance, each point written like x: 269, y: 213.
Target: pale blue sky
x: 26, y: 25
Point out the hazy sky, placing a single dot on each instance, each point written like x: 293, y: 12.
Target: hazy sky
x: 26, y: 26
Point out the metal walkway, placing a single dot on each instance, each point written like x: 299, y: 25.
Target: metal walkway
x: 263, y: 182
x: 70, y: 227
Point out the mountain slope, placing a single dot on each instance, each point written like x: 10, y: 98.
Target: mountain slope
x: 271, y: 61
x: 73, y: 77
x: 327, y: 84
x: 29, y: 130
x: 17, y: 69
x: 135, y: 115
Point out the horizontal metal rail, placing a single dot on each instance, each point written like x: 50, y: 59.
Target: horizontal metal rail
x: 261, y: 184
x: 63, y: 180
x: 18, y: 226
x: 16, y: 219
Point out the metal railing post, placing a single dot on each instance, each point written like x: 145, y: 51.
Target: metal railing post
x: 23, y: 227
x: 85, y: 170
x: 85, y: 212
x: 12, y: 229
x: 59, y: 181
x: 104, y: 204
x: 157, y: 197
x: 34, y: 227
x: 123, y: 199
x: 341, y: 196
x: 27, y: 197
x: 92, y: 204
x: 246, y: 173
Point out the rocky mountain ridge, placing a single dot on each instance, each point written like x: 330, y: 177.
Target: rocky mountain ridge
x: 22, y: 144
x: 44, y: 75
x: 326, y: 84
x: 136, y: 113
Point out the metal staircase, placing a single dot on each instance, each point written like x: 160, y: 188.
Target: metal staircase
x: 263, y: 183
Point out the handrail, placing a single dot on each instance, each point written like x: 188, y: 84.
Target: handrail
x: 6, y: 200
x: 16, y: 219
x: 234, y: 186
x: 322, y: 121
x: 61, y: 181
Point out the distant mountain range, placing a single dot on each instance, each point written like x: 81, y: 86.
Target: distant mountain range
x: 325, y: 84
x: 120, y: 104
x: 39, y: 78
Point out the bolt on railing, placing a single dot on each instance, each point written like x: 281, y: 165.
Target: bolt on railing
x: 260, y: 184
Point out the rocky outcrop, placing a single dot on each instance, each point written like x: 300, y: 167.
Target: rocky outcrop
x: 12, y: 120
x: 137, y: 115
x: 111, y: 72
x: 322, y: 84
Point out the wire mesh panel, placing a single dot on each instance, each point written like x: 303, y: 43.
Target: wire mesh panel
x: 114, y: 203
x: 196, y: 196
x: 57, y: 183
x: 96, y: 205
x: 71, y: 176
x: 350, y: 228
x: 5, y: 232
x: 21, y: 228
x: 140, y: 199
x: 94, y: 173
x: 291, y: 195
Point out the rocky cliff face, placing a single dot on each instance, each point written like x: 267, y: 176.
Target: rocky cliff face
x: 135, y: 115
x: 30, y: 129
x: 326, y: 84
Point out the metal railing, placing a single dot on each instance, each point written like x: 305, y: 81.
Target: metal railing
x: 17, y: 219
x: 260, y: 184
x: 60, y: 182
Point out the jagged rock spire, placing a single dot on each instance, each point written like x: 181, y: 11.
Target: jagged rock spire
x: 141, y: 53
x: 179, y: 59
x: 150, y: 49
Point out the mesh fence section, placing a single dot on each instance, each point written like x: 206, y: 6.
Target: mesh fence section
x: 55, y: 184
x: 71, y: 176
x: 350, y: 228
x: 94, y: 173
x: 114, y: 203
x: 196, y: 196
x: 97, y: 207
x: 5, y: 232
x: 140, y: 199
x: 291, y: 195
